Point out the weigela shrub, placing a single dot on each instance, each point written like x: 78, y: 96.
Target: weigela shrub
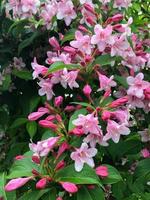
x: 92, y: 75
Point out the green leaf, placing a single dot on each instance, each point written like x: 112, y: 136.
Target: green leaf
x: 113, y: 175
x: 25, y: 43
x: 143, y: 168
x: 86, y: 176
x: 104, y: 60
x: 31, y: 128
x: 93, y: 194
x: 33, y: 195
x: 18, y: 122
x: 22, y: 167
x: 60, y: 65
x: 75, y: 116
x: 50, y: 195
x: 23, y: 74
x: 6, y: 83
x: 122, y: 80
x: 69, y: 36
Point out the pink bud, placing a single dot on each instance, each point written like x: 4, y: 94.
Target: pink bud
x: 119, y: 102
x: 69, y: 49
x: 41, y: 184
x: 90, y: 20
x: 88, y: 58
x: 147, y: 93
x: 36, y: 159
x: 60, y: 165
x: 117, y: 18
x: 70, y: 108
x: 106, y: 115
x: 102, y: 171
x: 145, y: 153
x: 77, y: 131
x: 63, y: 147
x: 107, y: 93
x: 89, y: 8
x: 58, y: 101
x: 36, y: 115
x: 69, y: 187
x: 47, y: 124
x: 16, y: 183
x: 34, y: 172
x: 87, y: 90
x: 19, y: 157
x: 59, y: 198
x: 58, y: 118
x: 54, y: 43
x: 82, y: 28
x: 51, y: 118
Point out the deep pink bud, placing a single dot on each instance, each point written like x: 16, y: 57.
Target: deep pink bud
x: 16, y: 183
x: 47, y: 124
x: 36, y: 159
x: 41, y: 184
x: 107, y: 93
x: 59, y: 198
x: 117, y: 18
x: 119, y: 102
x: 102, y: 171
x: 69, y: 187
x: 77, y: 131
x: 34, y: 172
x: 58, y: 118
x: 70, y: 108
x: 36, y: 115
x: 82, y: 28
x: 145, y: 153
x: 19, y: 157
x: 63, y: 147
x: 54, y: 43
x: 89, y: 8
x: 90, y: 21
x: 58, y: 101
x: 60, y: 165
x: 147, y: 93
x: 69, y: 49
x: 106, y: 115
x: 51, y: 118
x: 87, y: 90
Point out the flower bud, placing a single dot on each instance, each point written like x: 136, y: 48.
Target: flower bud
x: 69, y: 49
x: 48, y: 124
x: 69, y: 187
x: 87, y: 90
x: 54, y: 43
x: 102, y: 171
x: 58, y: 101
x: 119, y: 102
x: 41, y: 184
x: 59, y: 198
x: 145, y: 153
x: 19, y: 157
x: 106, y: 115
x: 60, y: 165
x: 36, y: 159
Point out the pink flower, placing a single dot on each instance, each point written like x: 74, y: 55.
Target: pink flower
x: 137, y: 85
x: 58, y: 101
x: 38, y: 69
x: 122, y: 3
x: 30, y: 6
x: 18, y: 63
x: 105, y: 82
x: 145, y: 135
x: 104, y: 2
x: 89, y: 123
x: 145, y: 153
x: 69, y: 78
x: 102, y: 171
x: 87, y: 90
x: 36, y: 115
x: 102, y: 37
x: 114, y: 130
x: 82, y: 42
x: 16, y: 183
x: 42, y: 148
x: 46, y: 88
x: 41, y: 184
x: 69, y: 187
x: 66, y: 11
x: 83, y: 155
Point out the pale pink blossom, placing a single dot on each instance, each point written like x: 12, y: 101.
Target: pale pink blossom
x: 102, y: 37
x: 102, y: 171
x: 89, y: 123
x: 135, y: 102
x: 42, y: 148
x: 30, y: 6
x: 69, y: 78
x: 85, y: 1
x: 18, y: 63
x: 53, y: 57
x: 83, y: 155
x: 38, y: 69
x: 16, y: 183
x: 69, y: 187
x: 104, y: 2
x: 46, y: 88
x: 145, y: 135
x: 137, y: 85
x: 114, y: 130
x: 122, y: 3
x: 36, y: 115
x: 105, y: 82
x: 66, y: 11
x: 82, y: 42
